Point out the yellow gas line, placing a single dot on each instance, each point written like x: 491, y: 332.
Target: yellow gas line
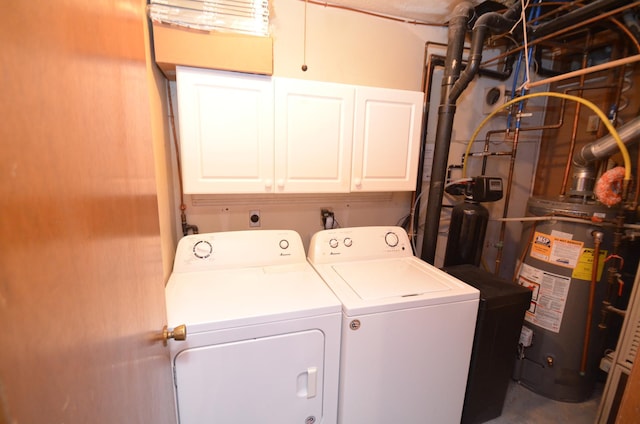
x: 593, y: 107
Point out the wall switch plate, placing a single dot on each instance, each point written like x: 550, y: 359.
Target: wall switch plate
x: 593, y: 123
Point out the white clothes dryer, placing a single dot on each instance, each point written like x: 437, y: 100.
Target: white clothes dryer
x: 263, y: 331
x: 407, y: 328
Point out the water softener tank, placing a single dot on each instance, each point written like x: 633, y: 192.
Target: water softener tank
x: 557, y: 265
x: 466, y: 234
x: 469, y: 219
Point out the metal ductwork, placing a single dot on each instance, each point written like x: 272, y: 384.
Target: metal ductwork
x: 584, y: 174
x: 452, y: 86
x: 607, y: 146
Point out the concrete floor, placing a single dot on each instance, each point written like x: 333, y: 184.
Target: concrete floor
x: 522, y: 406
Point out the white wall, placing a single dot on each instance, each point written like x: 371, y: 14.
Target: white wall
x: 349, y: 47
x: 344, y: 47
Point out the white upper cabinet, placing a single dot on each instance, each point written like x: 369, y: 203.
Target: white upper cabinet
x: 245, y: 133
x: 386, y: 142
x: 313, y: 132
x: 226, y: 131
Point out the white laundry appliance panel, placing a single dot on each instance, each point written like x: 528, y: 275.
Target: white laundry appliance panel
x: 242, y: 381
x: 229, y: 298
x: 407, y: 328
x: 406, y: 366
x: 263, y: 339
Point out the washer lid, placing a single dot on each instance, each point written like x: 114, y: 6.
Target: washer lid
x: 382, y: 279
x: 381, y: 285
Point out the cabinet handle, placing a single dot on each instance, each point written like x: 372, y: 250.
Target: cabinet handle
x: 357, y: 182
x: 268, y: 183
x: 280, y: 183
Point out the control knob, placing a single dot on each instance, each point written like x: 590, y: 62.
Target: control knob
x: 202, y: 249
x: 391, y: 239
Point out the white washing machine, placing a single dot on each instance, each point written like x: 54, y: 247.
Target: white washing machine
x: 407, y: 328
x: 263, y: 331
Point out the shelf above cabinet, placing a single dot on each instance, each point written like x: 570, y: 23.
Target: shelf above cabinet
x: 212, y: 50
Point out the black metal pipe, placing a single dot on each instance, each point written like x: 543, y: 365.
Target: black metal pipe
x: 458, y: 26
x: 452, y: 86
x: 582, y: 13
x: 489, y: 22
x: 631, y: 22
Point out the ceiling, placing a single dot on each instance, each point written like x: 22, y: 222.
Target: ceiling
x: 429, y: 11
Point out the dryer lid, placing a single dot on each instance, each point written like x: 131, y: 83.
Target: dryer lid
x: 229, y: 298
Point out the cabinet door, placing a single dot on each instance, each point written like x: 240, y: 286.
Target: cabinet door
x: 226, y: 131
x: 313, y: 133
x: 386, y: 142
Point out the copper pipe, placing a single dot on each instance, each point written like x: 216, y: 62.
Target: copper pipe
x: 576, y: 119
x: 597, y: 239
x: 507, y: 196
x: 581, y: 88
x: 523, y: 254
x: 512, y: 154
x: 183, y: 207
x: 596, y: 68
x: 612, y: 271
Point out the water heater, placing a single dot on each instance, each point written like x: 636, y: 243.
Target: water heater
x: 557, y: 266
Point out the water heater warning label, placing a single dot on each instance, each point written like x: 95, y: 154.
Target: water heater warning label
x: 584, y: 268
x: 549, y: 296
x: 556, y: 250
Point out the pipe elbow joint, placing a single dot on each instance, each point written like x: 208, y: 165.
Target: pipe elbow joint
x: 464, y: 9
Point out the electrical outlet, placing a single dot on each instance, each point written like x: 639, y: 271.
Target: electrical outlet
x: 328, y: 220
x: 254, y: 218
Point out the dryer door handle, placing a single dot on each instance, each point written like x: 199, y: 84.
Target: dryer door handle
x: 312, y: 382
x: 308, y: 383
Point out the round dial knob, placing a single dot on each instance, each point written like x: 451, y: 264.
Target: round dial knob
x: 333, y: 243
x: 202, y: 249
x: 391, y: 239
x: 284, y: 244
x: 348, y: 242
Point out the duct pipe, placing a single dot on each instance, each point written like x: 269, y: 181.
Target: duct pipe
x: 446, y: 111
x: 607, y: 145
x: 584, y: 174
